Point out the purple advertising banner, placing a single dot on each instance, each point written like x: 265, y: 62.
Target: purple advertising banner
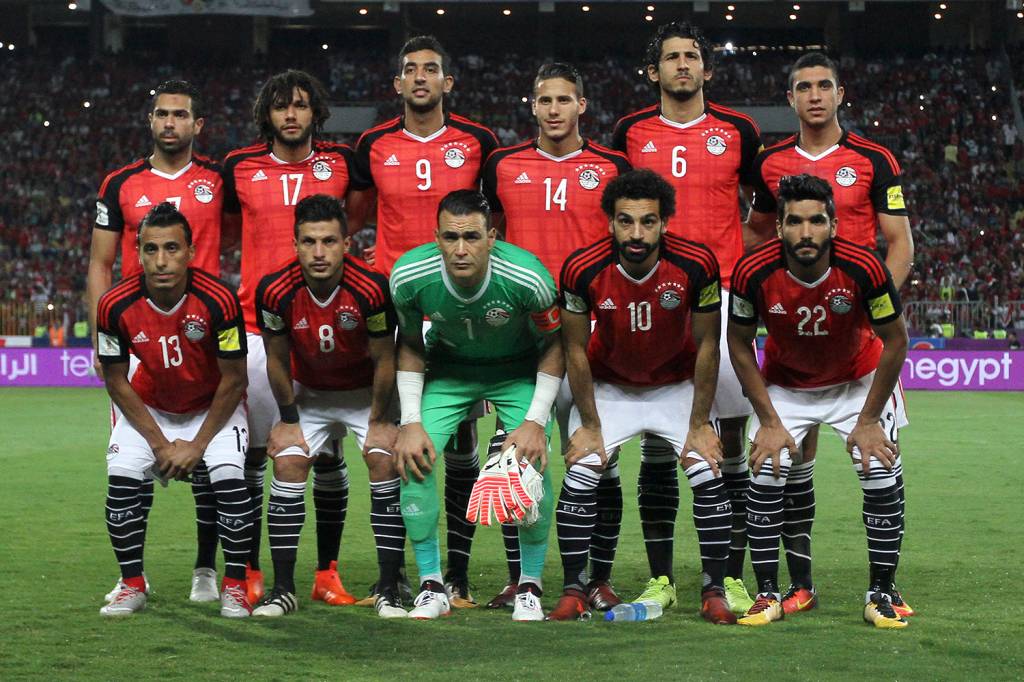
x: 929, y: 370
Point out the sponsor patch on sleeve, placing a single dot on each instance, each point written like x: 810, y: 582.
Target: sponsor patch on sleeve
x: 881, y: 307
x: 741, y: 307
x: 228, y: 341
x: 377, y: 323
x: 574, y: 303
x: 109, y: 346
x: 272, y: 322
x: 102, y: 214
x: 710, y: 295
x: 894, y: 198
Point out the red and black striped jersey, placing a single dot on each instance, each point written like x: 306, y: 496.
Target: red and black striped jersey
x: 329, y: 338
x: 706, y: 160
x: 412, y: 174
x: 177, y: 348
x: 197, y: 190
x: 643, y: 334
x: 819, y: 333
x: 266, y: 189
x: 552, y: 204
x: 865, y: 179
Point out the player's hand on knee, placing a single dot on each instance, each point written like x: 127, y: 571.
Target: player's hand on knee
x: 531, y: 443
x: 703, y: 441
x: 284, y: 436
x: 870, y: 440
x: 585, y: 441
x: 414, y: 452
x: 770, y: 441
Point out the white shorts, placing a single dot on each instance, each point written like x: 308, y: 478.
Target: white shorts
x: 837, y: 406
x: 628, y: 411
x: 324, y: 415
x: 129, y: 455
x: 729, y: 399
x: 259, y: 399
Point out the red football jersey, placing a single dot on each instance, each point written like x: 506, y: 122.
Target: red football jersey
x: 552, y: 205
x: 197, y: 190
x: 706, y: 161
x: 818, y: 334
x: 265, y: 189
x: 643, y: 334
x: 329, y: 338
x: 178, y: 348
x: 412, y: 174
x: 865, y: 179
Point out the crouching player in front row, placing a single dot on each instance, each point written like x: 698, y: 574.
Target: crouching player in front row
x: 328, y: 323
x: 836, y: 343
x: 182, y: 405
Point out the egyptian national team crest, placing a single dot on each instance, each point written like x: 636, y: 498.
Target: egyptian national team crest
x: 846, y: 176
x: 202, y: 190
x: 455, y: 154
x: 715, y: 145
x: 194, y: 327
x: 589, y: 179
x: 498, y: 313
x: 348, y: 318
x: 670, y: 295
x: 322, y: 170
x: 840, y: 301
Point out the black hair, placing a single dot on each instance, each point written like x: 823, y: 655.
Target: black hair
x: 279, y: 89
x: 465, y: 202
x: 679, y: 29
x: 640, y: 184
x: 165, y: 215
x: 561, y: 70
x: 417, y: 43
x: 180, y: 87
x: 320, y: 208
x: 813, y: 59
x: 805, y: 188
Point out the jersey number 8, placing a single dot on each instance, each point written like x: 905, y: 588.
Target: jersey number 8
x: 326, y: 334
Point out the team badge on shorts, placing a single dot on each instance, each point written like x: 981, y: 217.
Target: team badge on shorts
x: 194, y: 328
x: 348, y: 319
x: 670, y: 295
x: 454, y: 154
x: 840, y: 301
x: 322, y: 170
x: 112, y: 450
x: 846, y: 176
x: 202, y: 190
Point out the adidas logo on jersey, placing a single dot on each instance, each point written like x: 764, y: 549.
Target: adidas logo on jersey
x: 777, y: 309
x: 259, y: 175
x: 523, y: 179
x: 391, y: 161
x: 649, y: 148
x: 608, y: 304
x: 301, y: 324
x: 143, y: 201
x: 437, y: 317
x: 140, y: 338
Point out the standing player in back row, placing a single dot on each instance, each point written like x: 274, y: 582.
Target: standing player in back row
x: 547, y: 194
x: 706, y: 151
x: 265, y: 182
x: 866, y: 182
x: 174, y: 173
x: 410, y: 163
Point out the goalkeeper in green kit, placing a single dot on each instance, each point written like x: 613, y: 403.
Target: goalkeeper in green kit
x: 494, y: 335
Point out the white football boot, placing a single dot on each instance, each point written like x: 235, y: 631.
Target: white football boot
x: 127, y: 601
x: 430, y: 605
x: 204, y: 585
x: 527, y: 607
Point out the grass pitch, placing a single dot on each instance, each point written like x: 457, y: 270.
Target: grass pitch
x: 964, y: 482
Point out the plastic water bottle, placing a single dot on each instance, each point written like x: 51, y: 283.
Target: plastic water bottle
x: 624, y: 613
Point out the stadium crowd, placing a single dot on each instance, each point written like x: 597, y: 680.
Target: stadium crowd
x: 947, y: 117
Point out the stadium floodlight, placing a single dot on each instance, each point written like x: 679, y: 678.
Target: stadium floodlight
x: 650, y: 8
x: 324, y: 46
x: 937, y: 16
x: 731, y: 8
x: 792, y: 17
x: 506, y: 12
x: 72, y: 6
x: 729, y: 47
x: 363, y: 11
x: 728, y: 17
x: 585, y: 8
x: 440, y: 12
x: 648, y: 18
x: 46, y: 124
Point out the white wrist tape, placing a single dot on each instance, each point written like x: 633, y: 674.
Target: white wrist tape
x: 410, y: 393
x: 544, y: 394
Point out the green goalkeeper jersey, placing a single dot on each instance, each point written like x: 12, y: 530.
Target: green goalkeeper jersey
x: 505, y: 318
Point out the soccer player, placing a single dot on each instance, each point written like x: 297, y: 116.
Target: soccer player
x: 172, y: 172
x: 836, y: 343
x: 548, y: 192
x: 866, y: 184
x: 650, y: 365
x: 707, y: 152
x: 183, y: 405
x: 265, y: 182
x: 328, y: 316
x: 494, y: 336
x: 409, y: 164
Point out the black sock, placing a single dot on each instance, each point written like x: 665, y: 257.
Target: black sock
x: 712, y: 517
x: 897, y: 471
x: 764, y: 524
x: 510, y: 536
x: 206, y: 517
x: 234, y: 518
x: 882, y: 521
x: 605, y: 540
x: 254, y: 474
x: 736, y: 477
x: 575, y: 517
x: 388, y: 529
x: 330, y: 501
x: 798, y: 517
x: 286, y: 513
x: 658, y: 499
x: 460, y: 473
x: 125, y: 523
x: 146, y: 501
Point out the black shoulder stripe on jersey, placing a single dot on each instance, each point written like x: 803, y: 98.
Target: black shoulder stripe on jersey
x: 373, y: 134
x: 207, y: 162
x: 580, y: 258
x: 504, y: 152
x: 237, y: 156
x: 373, y: 283
x: 738, y: 119
x: 484, y: 135
x: 114, y: 180
x: 863, y: 258
x: 622, y: 126
x: 218, y: 291
x: 622, y: 164
x: 695, y: 251
x: 128, y: 289
x: 749, y: 263
x: 873, y: 151
x: 276, y: 286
